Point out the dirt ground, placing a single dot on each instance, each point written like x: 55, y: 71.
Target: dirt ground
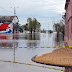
x: 62, y: 56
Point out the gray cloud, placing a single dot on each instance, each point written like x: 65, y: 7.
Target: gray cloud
x: 41, y: 9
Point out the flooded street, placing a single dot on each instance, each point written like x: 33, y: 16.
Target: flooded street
x: 24, y: 55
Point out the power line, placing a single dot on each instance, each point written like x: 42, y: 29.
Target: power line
x: 5, y: 9
x: 14, y: 9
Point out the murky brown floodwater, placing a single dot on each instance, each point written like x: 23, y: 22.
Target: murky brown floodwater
x: 25, y: 55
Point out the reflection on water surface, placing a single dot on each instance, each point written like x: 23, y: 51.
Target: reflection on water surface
x: 25, y: 55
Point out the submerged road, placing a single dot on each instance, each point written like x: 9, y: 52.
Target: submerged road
x: 25, y: 55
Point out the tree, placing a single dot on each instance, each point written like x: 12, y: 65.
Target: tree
x: 36, y: 25
x: 60, y: 27
x: 63, y: 29
x: 33, y: 24
x: 50, y: 31
x: 63, y: 25
x: 30, y: 23
x: 25, y: 27
x: 57, y: 28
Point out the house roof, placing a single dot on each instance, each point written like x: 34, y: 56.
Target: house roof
x: 6, y: 18
x: 67, y: 2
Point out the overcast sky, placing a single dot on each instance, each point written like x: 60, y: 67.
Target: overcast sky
x: 46, y: 11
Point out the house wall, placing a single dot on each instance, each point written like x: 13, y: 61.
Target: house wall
x: 15, y: 20
x: 8, y: 28
x: 68, y: 24
x: 11, y: 27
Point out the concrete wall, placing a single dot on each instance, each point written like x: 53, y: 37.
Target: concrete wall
x: 68, y: 24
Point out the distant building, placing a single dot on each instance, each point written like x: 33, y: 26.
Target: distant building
x: 68, y: 22
x: 8, y: 24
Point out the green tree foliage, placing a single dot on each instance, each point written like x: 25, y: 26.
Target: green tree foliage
x: 57, y: 27
x: 50, y: 31
x: 36, y: 24
x: 25, y: 27
x: 32, y: 25
x: 63, y: 29
x: 62, y: 23
x: 60, y: 27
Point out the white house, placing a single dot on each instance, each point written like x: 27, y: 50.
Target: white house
x: 8, y: 24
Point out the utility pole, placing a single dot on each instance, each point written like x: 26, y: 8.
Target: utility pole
x: 14, y: 9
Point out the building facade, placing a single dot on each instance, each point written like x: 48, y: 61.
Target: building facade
x: 68, y: 23
x: 8, y: 24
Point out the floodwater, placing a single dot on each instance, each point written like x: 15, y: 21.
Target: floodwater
x: 24, y: 55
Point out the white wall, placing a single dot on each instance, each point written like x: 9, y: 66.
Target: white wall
x: 15, y: 20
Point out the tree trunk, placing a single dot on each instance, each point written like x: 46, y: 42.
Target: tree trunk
x: 34, y: 30
x: 57, y: 36
x: 31, y: 30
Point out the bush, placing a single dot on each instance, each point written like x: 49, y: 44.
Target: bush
x: 50, y: 31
